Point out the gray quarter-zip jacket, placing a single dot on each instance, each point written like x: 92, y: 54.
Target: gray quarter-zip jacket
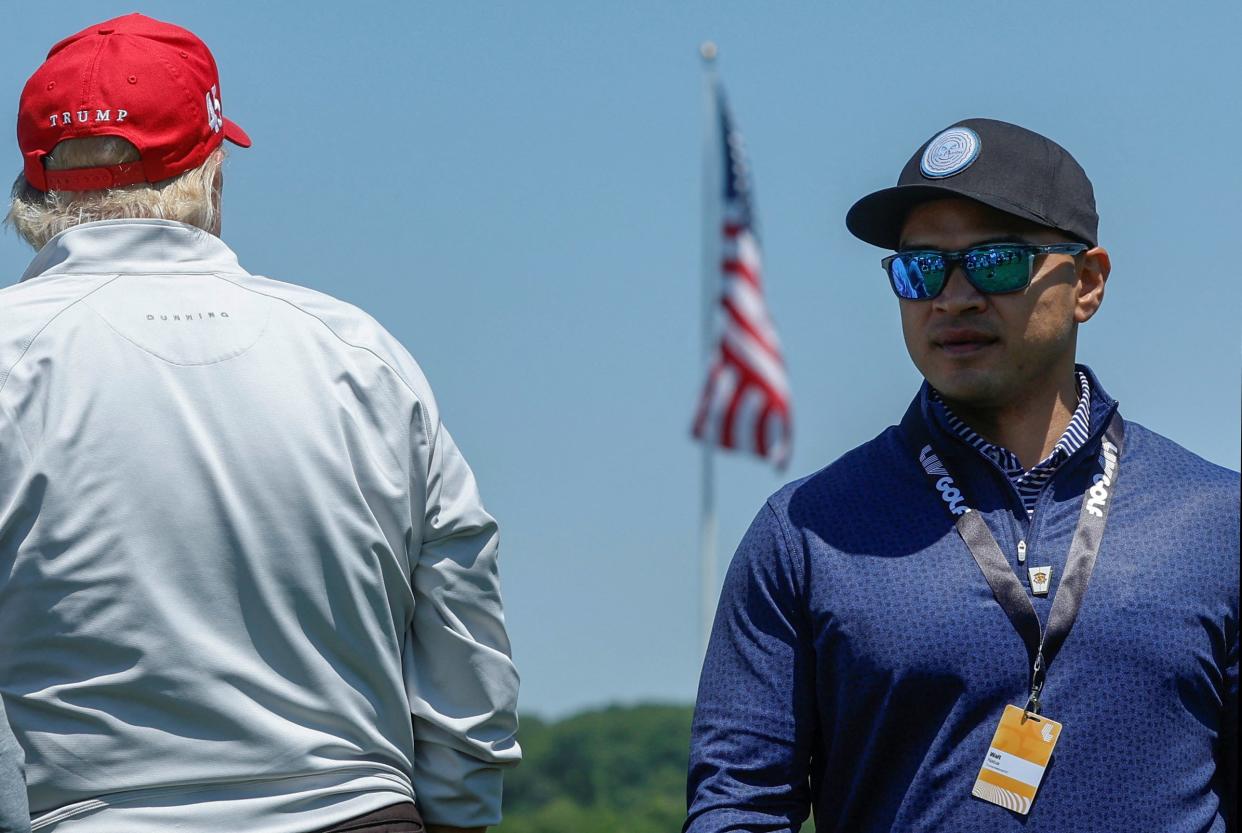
x: 246, y: 579
x: 14, y: 812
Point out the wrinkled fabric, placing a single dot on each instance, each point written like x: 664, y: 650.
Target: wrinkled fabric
x: 859, y: 662
x: 247, y: 581
x: 14, y: 810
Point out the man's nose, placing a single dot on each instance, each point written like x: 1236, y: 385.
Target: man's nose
x: 959, y: 294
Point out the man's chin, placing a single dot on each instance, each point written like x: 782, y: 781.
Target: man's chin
x: 973, y: 387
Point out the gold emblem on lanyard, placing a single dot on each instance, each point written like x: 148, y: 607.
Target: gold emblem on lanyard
x: 1041, y: 578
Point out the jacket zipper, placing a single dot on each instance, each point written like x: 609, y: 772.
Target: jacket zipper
x: 1022, y: 525
x: 1071, y: 463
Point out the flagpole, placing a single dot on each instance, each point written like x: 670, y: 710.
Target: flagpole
x: 710, y: 291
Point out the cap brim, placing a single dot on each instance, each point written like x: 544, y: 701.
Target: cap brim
x: 235, y: 134
x: 878, y: 217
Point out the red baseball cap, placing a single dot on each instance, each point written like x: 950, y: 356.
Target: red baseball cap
x: 150, y: 82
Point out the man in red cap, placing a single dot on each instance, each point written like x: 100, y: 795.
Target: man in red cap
x: 246, y: 578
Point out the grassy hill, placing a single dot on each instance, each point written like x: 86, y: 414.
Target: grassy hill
x: 621, y: 769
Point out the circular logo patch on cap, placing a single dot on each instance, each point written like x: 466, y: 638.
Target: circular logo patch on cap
x: 951, y: 152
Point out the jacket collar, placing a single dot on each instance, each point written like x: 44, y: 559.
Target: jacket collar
x: 1102, y: 408
x: 133, y: 247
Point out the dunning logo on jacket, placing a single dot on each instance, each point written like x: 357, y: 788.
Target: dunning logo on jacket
x: 949, y: 493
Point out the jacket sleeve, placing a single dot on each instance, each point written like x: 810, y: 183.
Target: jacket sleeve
x: 754, y: 721
x: 1227, y: 757
x: 14, y: 812
x: 460, y: 677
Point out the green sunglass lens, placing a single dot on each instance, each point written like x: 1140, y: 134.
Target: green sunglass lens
x: 998, y: 268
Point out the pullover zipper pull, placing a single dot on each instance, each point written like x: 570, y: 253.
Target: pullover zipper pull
x: 1022, y: 552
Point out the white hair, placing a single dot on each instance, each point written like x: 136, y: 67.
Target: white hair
x: 191, y: 197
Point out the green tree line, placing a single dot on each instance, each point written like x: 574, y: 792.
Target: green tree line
x: 620, y: 769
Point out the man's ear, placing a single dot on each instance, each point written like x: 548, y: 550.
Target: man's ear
x: 1092, y: 275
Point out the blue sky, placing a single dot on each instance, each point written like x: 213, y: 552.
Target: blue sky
x: 513, y: 190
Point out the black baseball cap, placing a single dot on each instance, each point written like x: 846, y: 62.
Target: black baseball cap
x: 999, y: 164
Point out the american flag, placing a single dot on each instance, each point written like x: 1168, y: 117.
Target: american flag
x: 745, y: 402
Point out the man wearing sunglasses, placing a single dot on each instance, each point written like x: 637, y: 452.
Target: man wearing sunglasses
x: 1012, y: 611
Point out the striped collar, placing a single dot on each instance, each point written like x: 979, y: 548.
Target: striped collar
x: 1030, y: 482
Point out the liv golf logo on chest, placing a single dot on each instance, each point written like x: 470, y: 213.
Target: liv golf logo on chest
x: 949, y: 493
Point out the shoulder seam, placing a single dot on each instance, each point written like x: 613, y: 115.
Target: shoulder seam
x: 789, y: 556
x: 422, y: 411
x: 8, y: 371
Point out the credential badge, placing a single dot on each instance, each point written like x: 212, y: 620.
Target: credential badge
x: 951, y: 152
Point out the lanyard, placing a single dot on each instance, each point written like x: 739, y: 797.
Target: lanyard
x: 1009, y: 592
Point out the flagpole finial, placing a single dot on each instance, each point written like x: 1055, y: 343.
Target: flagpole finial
x: 707, y: 49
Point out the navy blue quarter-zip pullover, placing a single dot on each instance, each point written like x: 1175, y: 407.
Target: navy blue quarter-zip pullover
x: 859, y: 662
